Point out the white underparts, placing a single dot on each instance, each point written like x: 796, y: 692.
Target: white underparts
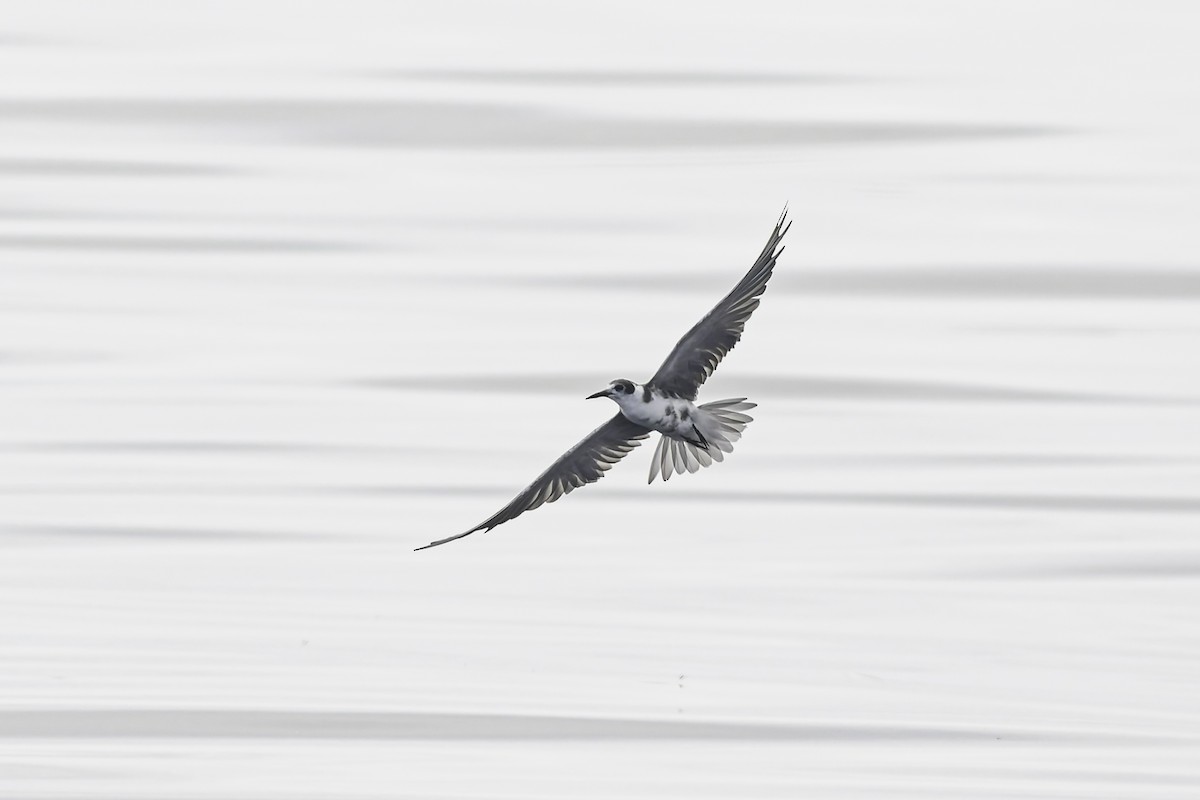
x: 719, y: 424
x: 692, y: 436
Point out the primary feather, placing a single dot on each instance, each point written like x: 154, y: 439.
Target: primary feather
x: 697, y: 354
x: 584, y: 463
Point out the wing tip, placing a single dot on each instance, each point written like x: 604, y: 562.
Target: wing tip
x: 781, y: 229
x: 606, y: 445
x: 448, y: 539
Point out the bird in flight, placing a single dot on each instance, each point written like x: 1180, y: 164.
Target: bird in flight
x: 693, y: 436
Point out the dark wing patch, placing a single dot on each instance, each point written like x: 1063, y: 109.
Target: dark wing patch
x: 584, y: 463
x: 697, y: 354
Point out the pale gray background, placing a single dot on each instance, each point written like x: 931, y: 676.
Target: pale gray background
x: 288, y: 289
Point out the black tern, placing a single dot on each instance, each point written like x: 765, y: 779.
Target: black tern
x: 693, y: 436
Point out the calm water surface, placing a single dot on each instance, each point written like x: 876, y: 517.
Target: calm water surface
x: 286, y: 292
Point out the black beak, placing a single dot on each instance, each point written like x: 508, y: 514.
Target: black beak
x: 602, y: 393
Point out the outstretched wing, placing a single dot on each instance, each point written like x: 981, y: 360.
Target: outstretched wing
x: 586, y: 462
x: 697, y: 354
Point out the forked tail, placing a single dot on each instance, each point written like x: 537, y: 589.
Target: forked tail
x: 720, y: 425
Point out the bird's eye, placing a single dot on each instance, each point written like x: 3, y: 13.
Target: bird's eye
x: 619, y: 388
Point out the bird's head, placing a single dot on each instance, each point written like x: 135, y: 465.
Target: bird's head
x: 618, y: 390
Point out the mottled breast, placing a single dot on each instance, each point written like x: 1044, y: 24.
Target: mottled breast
x: 668, y: 414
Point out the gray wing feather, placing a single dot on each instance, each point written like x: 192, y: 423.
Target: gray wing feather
x: 584, y: 463
x: 697, y: 354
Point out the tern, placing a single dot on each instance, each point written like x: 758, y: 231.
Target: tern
x: 692, y: 436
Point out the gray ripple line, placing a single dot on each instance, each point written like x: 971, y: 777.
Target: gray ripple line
x: 455, y: 125
x: 797, y: 387
x: 400, y: 725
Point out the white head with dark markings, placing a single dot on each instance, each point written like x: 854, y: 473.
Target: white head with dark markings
x: 621, y: 391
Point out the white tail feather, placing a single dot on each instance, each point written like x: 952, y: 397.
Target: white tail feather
x: 721, y: 423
